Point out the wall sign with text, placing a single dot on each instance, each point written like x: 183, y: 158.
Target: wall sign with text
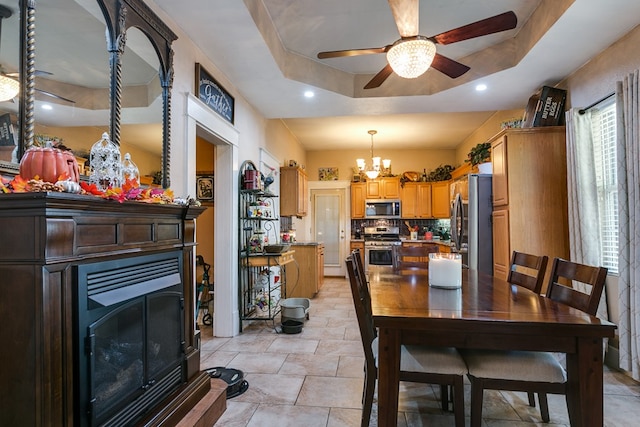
x: 215, y: 96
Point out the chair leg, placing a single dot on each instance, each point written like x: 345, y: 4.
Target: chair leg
x: 532, y: 399
x: 477, y: 394
x: 458, y: 401
x: 367, y: 397
x: 544, y: 407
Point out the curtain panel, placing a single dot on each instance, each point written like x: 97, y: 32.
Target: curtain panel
x: 628, y: 162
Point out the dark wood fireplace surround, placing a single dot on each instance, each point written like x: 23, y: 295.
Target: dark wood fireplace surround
x: 42, y: 237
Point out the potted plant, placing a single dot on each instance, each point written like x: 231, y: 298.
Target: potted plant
x: 480, y: 154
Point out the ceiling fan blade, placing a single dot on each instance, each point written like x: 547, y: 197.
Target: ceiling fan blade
x: 352, y: 52
x: 504, y: 21
x: 53, y: 95
x: 448, y: 66
x: 379, y: 78
x: 406, y: 14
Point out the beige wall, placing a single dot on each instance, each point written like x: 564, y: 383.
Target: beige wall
x: 486, y: 131
x: 401, y: 160
x: 205, y: 163
x: 597, y: 78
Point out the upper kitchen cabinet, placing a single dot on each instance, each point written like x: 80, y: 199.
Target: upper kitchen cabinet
x: 358, y: 195
x: 294, y: 200
x: 425, y: 199
x: 440, y: 199
x: 383, y: 188
x: 529, y: 194
x: 416, y: 200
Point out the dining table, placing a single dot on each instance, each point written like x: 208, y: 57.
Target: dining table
x: 486, y: 312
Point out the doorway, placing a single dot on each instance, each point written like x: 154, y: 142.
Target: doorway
x: 328, y: 207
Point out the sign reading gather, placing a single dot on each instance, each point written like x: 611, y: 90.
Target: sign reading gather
x: 215, y: 96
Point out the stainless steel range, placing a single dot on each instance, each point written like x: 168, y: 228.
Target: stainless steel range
x: 378, y: 245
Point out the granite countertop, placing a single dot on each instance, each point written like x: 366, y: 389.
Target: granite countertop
x: 298, y: 243
x: 439, y: 242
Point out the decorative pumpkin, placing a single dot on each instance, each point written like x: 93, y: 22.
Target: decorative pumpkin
x: 49, y: 164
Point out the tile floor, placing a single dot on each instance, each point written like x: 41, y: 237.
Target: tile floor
x: 315, y: 378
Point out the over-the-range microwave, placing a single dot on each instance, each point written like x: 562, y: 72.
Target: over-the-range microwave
x: 382, y: 208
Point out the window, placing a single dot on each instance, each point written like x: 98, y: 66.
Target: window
x: 603, y: 129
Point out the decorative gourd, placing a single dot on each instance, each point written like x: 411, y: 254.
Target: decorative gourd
x: 49, y: 164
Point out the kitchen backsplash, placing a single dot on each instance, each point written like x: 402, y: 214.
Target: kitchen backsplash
x: 439, y: 227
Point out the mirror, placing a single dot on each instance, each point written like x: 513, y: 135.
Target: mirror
x: 100, y: 91
x: 9, y: 66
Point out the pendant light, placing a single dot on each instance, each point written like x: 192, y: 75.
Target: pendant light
x: 375, y: 169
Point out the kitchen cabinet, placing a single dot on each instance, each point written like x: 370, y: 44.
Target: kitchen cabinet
x: 383, y: 188
x: 440, y: 199
x: 425, y: 199
x: 416, y: 200
x: 294, y: 200
x: 529, y: 194
x: 306, y: 280
x: 358, y: 195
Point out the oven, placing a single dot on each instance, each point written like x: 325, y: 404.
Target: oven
x: 378, y: 245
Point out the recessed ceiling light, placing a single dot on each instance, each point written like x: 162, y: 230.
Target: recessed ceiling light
x: 481, y: 87
x: 309, y: 94
x: 47, y: 107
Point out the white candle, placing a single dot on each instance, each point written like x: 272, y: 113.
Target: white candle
x: 445, y: 270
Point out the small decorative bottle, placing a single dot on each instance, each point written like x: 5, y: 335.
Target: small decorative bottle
x: 129, y: 169
x: 105, y: 166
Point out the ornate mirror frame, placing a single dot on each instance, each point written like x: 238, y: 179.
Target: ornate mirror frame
x: 120, y: 15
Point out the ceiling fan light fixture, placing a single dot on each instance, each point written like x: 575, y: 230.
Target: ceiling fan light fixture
x: 9, y: 88
x: 411, y: 57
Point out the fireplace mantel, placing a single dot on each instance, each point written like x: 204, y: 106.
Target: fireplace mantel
x: 42, y: 237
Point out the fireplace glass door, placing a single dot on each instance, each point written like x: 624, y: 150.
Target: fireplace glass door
x: 130, y: 339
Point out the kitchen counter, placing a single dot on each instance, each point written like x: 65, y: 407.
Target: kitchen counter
x: 439, y: 242
x: 306, y: 243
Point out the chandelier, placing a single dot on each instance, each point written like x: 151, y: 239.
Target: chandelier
x: 8, y: 88
x: 411, y: 57
x: 375, y: 169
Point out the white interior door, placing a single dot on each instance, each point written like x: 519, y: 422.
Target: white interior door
x: 329, y: 227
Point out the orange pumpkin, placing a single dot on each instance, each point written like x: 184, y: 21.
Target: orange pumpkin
x: 49, y: 164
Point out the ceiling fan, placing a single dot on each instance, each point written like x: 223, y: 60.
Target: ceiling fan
x: 413, y: 54
x: 11, y: 79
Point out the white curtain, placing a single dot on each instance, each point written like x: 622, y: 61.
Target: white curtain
x: 628, y: 148
x: 584, y: 233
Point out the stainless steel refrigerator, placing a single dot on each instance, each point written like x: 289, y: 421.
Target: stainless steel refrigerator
x: 471, y: 224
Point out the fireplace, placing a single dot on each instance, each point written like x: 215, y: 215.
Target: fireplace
x: 98, y: 313
x: 130, y: 339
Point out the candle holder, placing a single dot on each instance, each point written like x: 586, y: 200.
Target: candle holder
x: 445, y: 270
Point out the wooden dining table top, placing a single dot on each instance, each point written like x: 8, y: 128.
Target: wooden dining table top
x: 485, y: 313
x: 480, y: 304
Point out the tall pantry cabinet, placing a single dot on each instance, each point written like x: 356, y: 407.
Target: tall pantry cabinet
x: 529, y: 195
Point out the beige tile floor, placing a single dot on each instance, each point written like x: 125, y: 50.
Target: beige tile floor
x: 315, y: 378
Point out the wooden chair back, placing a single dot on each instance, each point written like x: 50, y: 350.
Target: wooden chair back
x: 528, y: 270
x: 362, y: 305
x: 565, y: 274
x: 413, y: 257
x: 356, y: 255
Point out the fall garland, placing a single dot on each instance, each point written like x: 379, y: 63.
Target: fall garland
x: 130, y: 190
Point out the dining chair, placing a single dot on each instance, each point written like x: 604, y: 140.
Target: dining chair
x: 528, y: 270
x: 413, y: 257
x: 421, y: 364
x: 530, y: 371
